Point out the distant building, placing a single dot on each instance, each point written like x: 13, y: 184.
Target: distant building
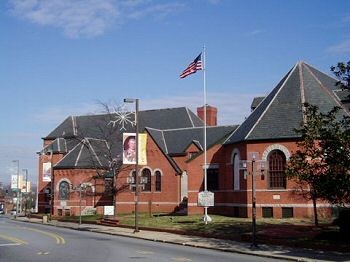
x: 81, y: 149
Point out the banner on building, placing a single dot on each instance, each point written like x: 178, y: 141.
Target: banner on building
x: 143, y: 149
x: 14, y: 182
x: 47, y: 172
x: 129, y: 149
x: 26, y: 189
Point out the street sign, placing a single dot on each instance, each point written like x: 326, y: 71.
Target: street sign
x: 205, y: 199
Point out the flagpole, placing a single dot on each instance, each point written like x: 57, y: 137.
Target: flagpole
x: 206, y: 217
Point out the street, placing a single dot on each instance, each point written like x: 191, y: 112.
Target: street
x: 33, y: 242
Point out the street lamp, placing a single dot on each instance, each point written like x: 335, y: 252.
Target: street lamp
x: 136, y: 101
x: 26, y: 185
x: 52, y: 185
x: 254, y: 159
x: 17, y: 198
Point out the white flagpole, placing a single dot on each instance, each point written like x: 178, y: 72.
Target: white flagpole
x: 206, y: 217
x: 205, y: 121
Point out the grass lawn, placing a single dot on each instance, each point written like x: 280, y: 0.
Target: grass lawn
x: 290, y: 232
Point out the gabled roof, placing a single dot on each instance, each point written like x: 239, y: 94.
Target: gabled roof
x: 88, y: 153
x: 176, y: 141
x: 60, y: 145
x: 90, y: 125
x: 280, y: 113
x: 88, y: 139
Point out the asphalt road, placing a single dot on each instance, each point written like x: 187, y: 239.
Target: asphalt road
x: 24, y: 242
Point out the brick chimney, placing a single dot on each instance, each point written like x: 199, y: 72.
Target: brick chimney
x: 212, y: 113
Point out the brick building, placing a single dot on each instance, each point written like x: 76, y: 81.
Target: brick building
x: 81, y: 149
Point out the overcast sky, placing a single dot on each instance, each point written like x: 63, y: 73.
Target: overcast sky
x: 60, y: 57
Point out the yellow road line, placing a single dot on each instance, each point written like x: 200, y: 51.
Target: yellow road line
x: 14, y: 239
x: 58, y: 238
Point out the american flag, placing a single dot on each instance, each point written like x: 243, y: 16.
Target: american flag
x: 193, y: 67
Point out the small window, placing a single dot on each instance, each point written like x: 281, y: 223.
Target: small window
x: 287, y: 212
x: 267, y: 212
x: 236, y: 211
x: 213, y: 179
x: 158, y: 181
x: 146, y: 173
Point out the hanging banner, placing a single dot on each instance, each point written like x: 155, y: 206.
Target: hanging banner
x: 14, y: 184
x: 47, y: 172
x: 129, y: 149
x: 143, y: 149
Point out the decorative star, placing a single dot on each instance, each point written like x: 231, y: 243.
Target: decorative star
x: 122, y: 117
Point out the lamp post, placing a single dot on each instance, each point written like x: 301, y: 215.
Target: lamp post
x: 253, y: 156
x: 52, y: 185
x: 136, y: 101
x: 26, y: 195
x: 17, y: 198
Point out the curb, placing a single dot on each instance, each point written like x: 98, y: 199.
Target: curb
x: 229, y: 250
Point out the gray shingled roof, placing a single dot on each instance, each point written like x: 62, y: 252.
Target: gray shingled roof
x: 88, y: 153
x: 280, y: 113
x: 176, y: 141
x: 256, y: 101
x: 90, y: 125
x: 85, y: 139
x: 60, y: 145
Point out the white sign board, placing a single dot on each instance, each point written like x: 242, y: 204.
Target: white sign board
x: 108, y: 210
x: 205, y: 199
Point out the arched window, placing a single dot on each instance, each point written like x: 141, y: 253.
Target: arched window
x: 158, y: 176
x: 277, y: 167
x: 235, y: 171
x: 64, y: 190
x: 146, y: 174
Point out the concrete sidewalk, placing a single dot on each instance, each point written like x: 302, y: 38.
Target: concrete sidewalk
x: 271, y: 251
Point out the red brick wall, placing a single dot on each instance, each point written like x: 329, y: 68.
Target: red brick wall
x: 43, y: 198
x: 230, y: 201
x: 165, y: 201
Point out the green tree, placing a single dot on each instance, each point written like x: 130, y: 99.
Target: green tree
x: 335, y: 143
x: 306, y: 165
x: 321, y: 164
x: 342, y: 72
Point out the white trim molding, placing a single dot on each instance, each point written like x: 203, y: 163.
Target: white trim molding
x: 275, y: 147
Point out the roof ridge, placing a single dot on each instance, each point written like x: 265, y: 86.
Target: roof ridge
x: 331, y: 94
x: 165, y: 144
x: 189, y: 116
x: 302, y: 90
x: 78, y: 157
x: 94, y: 153
x: 67, y: 154
x: 110, y: 113
x: 272, y: 100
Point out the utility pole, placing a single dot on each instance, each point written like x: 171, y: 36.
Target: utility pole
x: 17, y: 190
x: 26, y: 195
x: 136, y: 101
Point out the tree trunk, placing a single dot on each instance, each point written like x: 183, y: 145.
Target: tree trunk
x: 315, y: 210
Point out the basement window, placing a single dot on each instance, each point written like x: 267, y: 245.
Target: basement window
x: 287, y: 212
x: 267, y: 212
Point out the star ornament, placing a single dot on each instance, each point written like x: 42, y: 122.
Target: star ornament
x: 123, y: 118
